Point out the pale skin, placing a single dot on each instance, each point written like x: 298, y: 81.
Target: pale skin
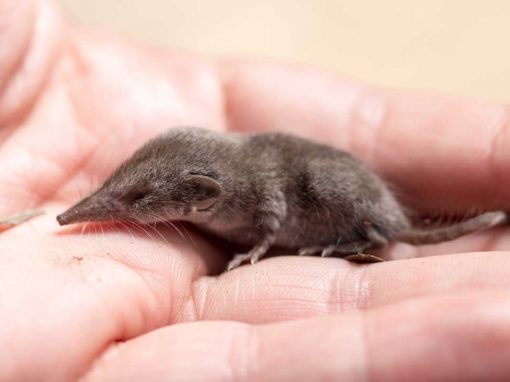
x: 119, y: 302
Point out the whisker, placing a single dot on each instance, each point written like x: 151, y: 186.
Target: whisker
x: 167, y: 223
x: 161, y: 235
x: 152, y: 217
x: 188, y: 234
x: 84, y: 227
x: 176, y: 229
x: 140, y: 226
x: 103, y: 238
x: 130, y: 231
x: 158, y: 220
x: 95, y: 229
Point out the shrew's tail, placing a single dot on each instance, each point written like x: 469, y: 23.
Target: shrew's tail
x: 436, y: 235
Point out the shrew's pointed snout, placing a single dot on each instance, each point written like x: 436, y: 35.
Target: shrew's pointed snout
x: 75, y: 214
x: 64, y: 218
x: 92, y: 208
x: 72, y: 215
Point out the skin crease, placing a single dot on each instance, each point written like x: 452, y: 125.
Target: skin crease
x: 116, y: 300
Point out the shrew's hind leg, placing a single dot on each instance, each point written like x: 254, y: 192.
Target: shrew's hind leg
x: 374, y: 240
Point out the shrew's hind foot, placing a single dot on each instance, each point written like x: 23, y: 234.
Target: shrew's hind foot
x: 363, y: 258
x: 346, y: 249
x: 350, y: 252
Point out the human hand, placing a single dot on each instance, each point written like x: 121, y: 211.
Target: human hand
x: 120, y: 303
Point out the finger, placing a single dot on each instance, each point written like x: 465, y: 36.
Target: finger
x: 443, y: 152
x: 72, y: 295
x: 424, y: 340
x: 286, y: 288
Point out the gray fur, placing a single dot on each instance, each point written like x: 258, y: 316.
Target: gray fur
x: 261, y: 190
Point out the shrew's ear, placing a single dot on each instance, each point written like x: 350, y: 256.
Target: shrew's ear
x: 205, y: 191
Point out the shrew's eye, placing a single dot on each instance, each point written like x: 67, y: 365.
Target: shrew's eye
x: 139, y: 196
x: 134, y: 197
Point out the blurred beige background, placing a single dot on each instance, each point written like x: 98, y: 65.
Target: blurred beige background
x: 452, y: 46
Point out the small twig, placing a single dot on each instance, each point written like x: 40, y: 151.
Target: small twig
x: 14, y: 220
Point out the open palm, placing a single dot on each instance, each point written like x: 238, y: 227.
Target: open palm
x: 120, y: 303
